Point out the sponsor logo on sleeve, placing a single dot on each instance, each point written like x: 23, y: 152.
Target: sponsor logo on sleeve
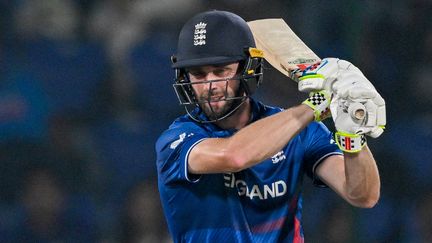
x: 278, y: 157
x: 179, y: 140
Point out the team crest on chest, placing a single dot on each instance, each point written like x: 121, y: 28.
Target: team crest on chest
x: 200, y: 34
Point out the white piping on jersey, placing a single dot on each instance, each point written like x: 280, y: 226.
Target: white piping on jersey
x: 322, y: 158
x: 186, y: 161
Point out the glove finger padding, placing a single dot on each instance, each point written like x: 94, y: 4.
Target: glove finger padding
x: 343, y: 120
x: 375, y: 116
x: 353, y: 84
x: 346, y: 116
x: 353, y: 88
x: 361, y: 93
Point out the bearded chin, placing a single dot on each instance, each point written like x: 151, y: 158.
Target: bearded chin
x: 215, y: 113
x: 231, y: 103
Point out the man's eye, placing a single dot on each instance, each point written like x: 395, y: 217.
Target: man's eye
x: 223, y: 72
x: 197, y: 74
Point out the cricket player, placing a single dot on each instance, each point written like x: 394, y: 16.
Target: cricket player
x: 231, y: 169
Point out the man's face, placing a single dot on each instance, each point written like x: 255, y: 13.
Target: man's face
x: 214, y: 97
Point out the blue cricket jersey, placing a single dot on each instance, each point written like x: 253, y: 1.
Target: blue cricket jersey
x: 260, y: 204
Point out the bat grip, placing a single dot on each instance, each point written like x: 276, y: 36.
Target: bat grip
x: 357, y: 111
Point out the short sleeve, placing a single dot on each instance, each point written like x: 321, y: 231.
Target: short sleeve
x: 172, y: 149
x: 318, y: 144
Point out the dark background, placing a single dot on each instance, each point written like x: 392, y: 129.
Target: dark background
x: 85, y: 90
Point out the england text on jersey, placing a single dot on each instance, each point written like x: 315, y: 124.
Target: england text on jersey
x: 263, y: 192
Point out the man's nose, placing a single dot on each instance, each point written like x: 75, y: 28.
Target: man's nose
x: 208, y: 78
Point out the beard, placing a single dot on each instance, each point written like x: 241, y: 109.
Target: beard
x: 216, y: 106
x: 219, y: 103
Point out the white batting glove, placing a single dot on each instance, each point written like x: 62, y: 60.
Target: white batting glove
x: 353, y: 87
x: 320, y: 104
x: 350, y: 135
x: 321, y: 75
x: 354, y: 119
x: 327, y: 74
x: 346, y: 81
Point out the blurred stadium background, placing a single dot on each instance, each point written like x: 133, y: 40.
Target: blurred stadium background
x: 85, y: 90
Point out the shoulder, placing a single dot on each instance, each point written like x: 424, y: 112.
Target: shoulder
x: 182, y: 128
x: 313, y: 133
x: 318, y: 127
x: 316, y: 136
x: 315, y: 129
x: 260, y: 110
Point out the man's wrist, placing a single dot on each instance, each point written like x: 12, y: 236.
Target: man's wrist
x: 350, y: 143
x: 307, y: 112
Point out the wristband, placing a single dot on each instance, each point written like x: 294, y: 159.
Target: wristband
x: 319, y: 102
x: 350, y: 143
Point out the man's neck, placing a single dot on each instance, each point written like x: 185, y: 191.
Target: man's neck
x: 239, y: 119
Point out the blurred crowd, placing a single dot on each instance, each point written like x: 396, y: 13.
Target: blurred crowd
x: 85, y: 90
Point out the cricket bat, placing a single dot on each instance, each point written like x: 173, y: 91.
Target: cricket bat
x: 284, y: 50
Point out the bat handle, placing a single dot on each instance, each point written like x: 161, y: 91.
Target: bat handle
x: 357, y: 111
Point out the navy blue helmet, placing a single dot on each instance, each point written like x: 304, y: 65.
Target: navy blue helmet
x: 215, y: 38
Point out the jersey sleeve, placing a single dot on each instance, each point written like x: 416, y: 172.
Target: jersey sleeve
x: 172, y: 149
x: 319, y: 144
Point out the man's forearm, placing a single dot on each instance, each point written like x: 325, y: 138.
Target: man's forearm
x: 250, y: 145
x: 362, y: 178
x: 263, y: 138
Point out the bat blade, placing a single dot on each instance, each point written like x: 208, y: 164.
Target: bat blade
x: 283, y: 49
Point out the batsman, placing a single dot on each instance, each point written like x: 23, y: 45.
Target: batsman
x: 231, y: 169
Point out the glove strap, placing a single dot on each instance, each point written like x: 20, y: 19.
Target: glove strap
x: 350, y: 143
x: 319, y: 104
